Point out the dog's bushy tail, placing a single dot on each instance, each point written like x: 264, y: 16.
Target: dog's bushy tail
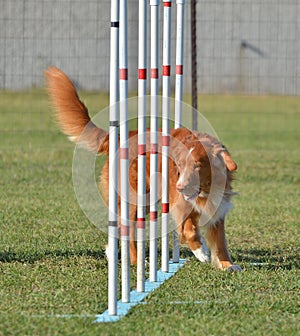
x: 72, y: 115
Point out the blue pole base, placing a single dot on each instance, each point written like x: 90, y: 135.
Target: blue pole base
x: 137, y: 297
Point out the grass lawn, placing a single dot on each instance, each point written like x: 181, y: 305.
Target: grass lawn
x: 52, y: 259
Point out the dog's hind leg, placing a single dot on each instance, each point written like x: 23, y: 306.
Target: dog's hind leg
x: 132, y: 235
x: 133, y: 250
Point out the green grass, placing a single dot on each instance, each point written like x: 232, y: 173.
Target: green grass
x: 52, y: 259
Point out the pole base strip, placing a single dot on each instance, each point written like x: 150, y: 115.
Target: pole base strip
x: 136, y: 297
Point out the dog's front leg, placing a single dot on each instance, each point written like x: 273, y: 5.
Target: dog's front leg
x: 192, y: 236
x: 217, y: 244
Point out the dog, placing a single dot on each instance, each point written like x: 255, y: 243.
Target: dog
x: 200, y: 174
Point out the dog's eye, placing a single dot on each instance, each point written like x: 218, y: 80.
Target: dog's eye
x: 196, y: 166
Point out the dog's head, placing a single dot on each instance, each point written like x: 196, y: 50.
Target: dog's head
x: 201, y: 161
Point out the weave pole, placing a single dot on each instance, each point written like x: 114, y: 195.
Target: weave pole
x: 124, y: 164
x: 154, y: 7
x: 119, y: 90
x: 113, y: 161
x: 142, y: 87
x: 178, y: 94
x: 165, y: 135
x: 194, y: 63
x: 179, y: 62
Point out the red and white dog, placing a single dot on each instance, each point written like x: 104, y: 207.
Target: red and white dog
x: 200, y: 171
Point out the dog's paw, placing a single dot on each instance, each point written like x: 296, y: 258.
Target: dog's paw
x: 234, y: 268
x: 201, y: 254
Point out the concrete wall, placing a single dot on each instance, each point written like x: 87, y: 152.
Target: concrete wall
x: 247, y: 46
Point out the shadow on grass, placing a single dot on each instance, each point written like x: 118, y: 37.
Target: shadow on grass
x: 32, y: 257
x: 185, y: 253
x: 22, y: 257
x: 269, y: 259
x: 252, y: 258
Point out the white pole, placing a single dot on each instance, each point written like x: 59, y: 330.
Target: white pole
x: 179, y: 62
x: 178, y: 94
x: 113, y: 161
x: 142, y: 87
x: 124, y: 172
x: 165, y: 134
x: 154, y: 7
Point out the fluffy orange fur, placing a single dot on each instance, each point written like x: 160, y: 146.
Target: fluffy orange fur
x: 200, y: 171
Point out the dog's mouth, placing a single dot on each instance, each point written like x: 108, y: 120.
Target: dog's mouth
x: 198, y: 193
x: 191, y: 197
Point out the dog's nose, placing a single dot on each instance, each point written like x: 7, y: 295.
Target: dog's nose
x: 179, y: 187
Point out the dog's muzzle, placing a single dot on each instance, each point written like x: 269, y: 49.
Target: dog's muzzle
x: 187, y: 196
x: 191, y: 197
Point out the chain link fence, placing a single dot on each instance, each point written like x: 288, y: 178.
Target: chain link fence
x: 245, y: 46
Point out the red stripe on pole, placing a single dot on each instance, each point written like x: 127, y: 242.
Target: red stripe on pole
x: 166, y: 70
x: 153, y: 148
x: 167, y: 4
x: 124, y: 74
x: 165, y: 140
x: 179, y: 69
x: 142, y: 74
x: 154, y: 73
x: 124, y: 153
x: 153, y: 216
x: 141, y: 149
x: 124, y: 230
x: 165, y: 207
x: 140, y: 223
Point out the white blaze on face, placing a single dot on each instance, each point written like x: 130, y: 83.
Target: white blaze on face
x: 182, y: 176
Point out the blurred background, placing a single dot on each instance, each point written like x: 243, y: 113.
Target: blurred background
x: 249, y: 46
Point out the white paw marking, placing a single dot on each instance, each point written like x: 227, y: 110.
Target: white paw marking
x: 201, y: 254
x: 234, y: 268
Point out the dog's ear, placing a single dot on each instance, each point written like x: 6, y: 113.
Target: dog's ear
x: 230, y: 164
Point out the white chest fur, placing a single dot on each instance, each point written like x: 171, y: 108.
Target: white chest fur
x: 214, y: 210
